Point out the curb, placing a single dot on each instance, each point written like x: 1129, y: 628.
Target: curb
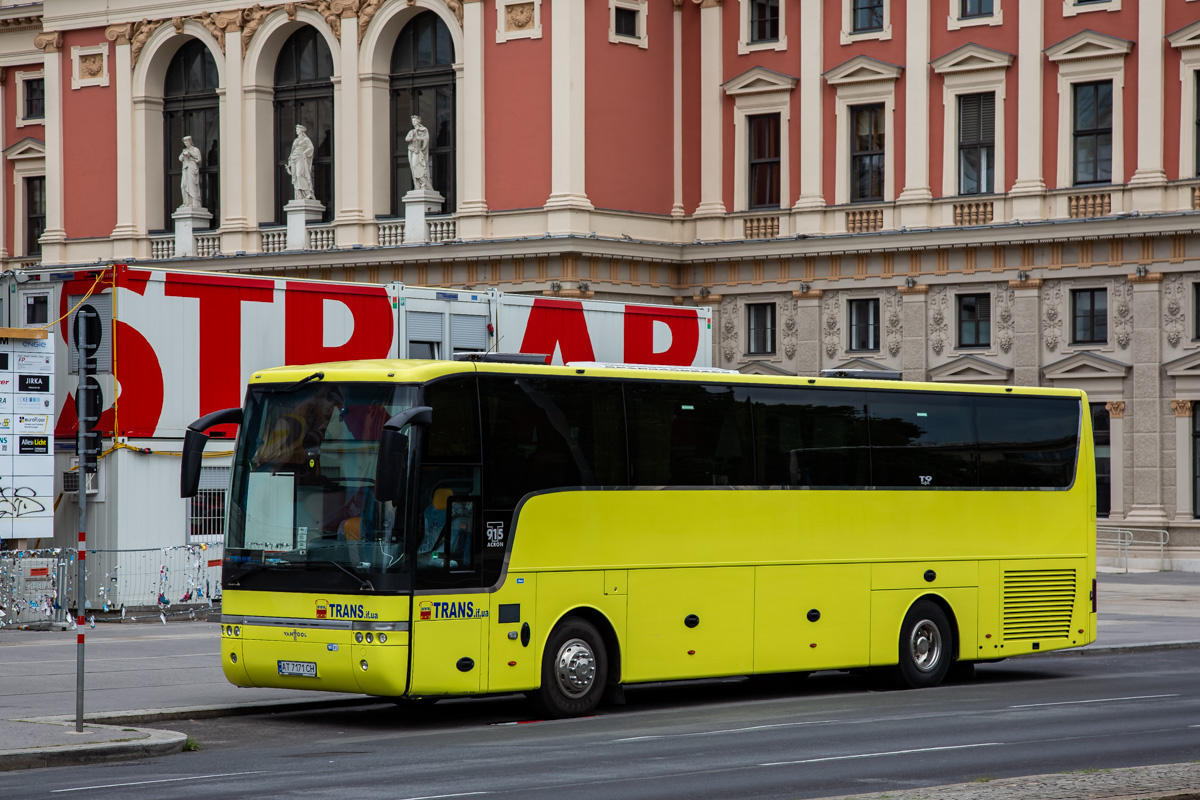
x: 1117, y: 649
x: 144, y: 715
x: 155, y: 743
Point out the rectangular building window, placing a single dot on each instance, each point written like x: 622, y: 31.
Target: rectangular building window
x: 975, y: 8
x: 1197, y: 125
x: 864, y: 324
x: 35, y: 98
x: 1093, y: 132
x: 974, y: 320
x: 764, y: 21
x: 764, y: 160
x: 976, y: 143
x: 761, y: 324
x: 866, y: 153
x: 1089, y: 316
x: 1101, y: 443
x: 625, y: 22
x: 35, y: 214
x: 867, y: 15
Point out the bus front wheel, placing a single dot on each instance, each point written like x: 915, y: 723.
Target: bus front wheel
x: 574, y: 670
x: 926, y: 646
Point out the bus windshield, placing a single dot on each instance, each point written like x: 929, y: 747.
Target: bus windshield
x: 303, y: 513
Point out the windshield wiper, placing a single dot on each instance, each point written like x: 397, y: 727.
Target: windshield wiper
x: 291, y: 387
x: 363, y: 583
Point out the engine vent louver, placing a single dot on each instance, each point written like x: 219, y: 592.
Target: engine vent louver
x: 1038, y: 603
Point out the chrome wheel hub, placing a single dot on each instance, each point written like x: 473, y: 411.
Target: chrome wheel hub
x: 926, y: 646
x: 575, y: 668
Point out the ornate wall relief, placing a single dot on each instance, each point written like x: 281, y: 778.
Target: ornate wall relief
x: 939, y: 319
x: 1122, y: 314
x: 1052, y: 314
x: 518, y: 19
x: 1005, y: 318
x: 893, y: 322
x: 730, y: 309
x: 831, y: 329
x: 788, y: 328
x: 1174, y: 303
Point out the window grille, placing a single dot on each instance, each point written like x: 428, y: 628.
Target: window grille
x: 206, y: 511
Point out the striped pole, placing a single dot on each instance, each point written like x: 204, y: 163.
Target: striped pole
x: 80, y: 448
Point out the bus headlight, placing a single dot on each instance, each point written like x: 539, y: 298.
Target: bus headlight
x: 382, y: 638
x: 363, y: 664
x: 358, y: 637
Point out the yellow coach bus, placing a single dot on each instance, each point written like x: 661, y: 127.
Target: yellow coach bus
x: 438, y: 528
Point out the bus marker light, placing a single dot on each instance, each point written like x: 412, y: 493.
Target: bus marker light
x: 987, y: 636
x: 233, y: 657
x: 814, y: 644
x: 691, y: 652
x: 512, y: 634
x: 512, y: 663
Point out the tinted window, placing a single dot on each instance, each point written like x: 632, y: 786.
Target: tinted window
x: 811, y: 437
x: 689, y: 435
x: 453, y: 438
x: 1027, y: 441
x: 543, y: 433
x: 922, y: 439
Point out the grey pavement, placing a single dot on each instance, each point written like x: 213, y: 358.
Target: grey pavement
x: 147, y: 674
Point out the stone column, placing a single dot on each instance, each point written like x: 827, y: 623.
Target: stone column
x: 1149, y: 180
x: 472, y: 206
x: 55, y: 237
x: 808, y: 332
x: 1147, y: 402
x: 1116, y: 459
x: 234, y: 225
x: 350, y: 161
x: 1183, y: 459
x: 710, y: 214
x: 125, y: 231
x: 1027, y: 329
x: 568, y: 205
x: 914, y: 199
x: 1029, y: 187
x: 812, y: 195
x: 914, y: 356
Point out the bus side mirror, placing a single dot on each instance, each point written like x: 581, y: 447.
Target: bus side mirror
x: 193, y: 447
x: 392, y: 467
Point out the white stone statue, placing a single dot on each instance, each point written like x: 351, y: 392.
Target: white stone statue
x: 418, y: 155
x: 299, y: 165
x: 190, y: 182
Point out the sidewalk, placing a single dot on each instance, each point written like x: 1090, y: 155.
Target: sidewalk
x: 146, y: 674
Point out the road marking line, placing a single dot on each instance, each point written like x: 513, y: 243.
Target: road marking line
x: 729, y: 730
x: 1099, y: 700
x: 876, y: 755
x: 164, y: 780
x: 440, y: 796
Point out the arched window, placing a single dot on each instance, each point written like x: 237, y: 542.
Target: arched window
x: 304, y: 96
x: 422, y: 81
x: 191, y: 108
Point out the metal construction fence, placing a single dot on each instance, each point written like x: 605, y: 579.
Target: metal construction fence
x: 38, y: 586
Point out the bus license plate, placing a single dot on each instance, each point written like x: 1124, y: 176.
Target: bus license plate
x: 305, y: 669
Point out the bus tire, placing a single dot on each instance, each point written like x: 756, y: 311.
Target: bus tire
x: 574, y: 670
x: 926, y: 646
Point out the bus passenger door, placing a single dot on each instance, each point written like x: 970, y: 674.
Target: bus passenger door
x: 449, y: 651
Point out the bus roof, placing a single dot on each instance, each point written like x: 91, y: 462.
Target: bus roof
x: 421, y: 371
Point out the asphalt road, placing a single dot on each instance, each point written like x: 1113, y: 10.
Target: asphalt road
x: 831, y: 735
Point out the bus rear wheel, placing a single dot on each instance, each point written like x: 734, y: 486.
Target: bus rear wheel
x: 574, y: 670
x: 926, y: 646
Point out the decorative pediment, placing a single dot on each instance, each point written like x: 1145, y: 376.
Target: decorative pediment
x: 1089, y: 44
x: 1186, y: 367
x: 971, y: 58
x: 1085, y: 367
x: 862, y: 69
x: 759, y: 81
x: 970, y: 369
x: 862, y: 363
x: 1186, y: 37
x: 763, y: 368
x: 26, y: 148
